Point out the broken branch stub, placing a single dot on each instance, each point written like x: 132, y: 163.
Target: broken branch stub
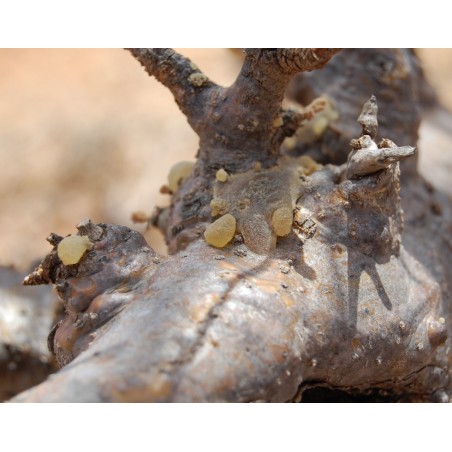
x: 368, y: 161
x: 366, y: 157
x: 368, y: 118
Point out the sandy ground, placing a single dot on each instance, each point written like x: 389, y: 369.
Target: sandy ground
x: 86, y: 133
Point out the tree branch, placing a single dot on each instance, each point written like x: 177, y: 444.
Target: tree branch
x: 188, y: 84
x: 245, y: 119
x: 272, y: 69
x: 345, y: 301
x: 291, y: 61
x: 368, y: 161
x: 237, y: 126
x: 366, y: 157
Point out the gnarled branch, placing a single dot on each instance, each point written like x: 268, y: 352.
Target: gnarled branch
x: 345, y: 301
x: 238, y: 126
x: 188, y: 84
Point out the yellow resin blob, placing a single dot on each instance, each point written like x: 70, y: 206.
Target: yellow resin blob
x: 178, y: 173
x: 282, y: 221
x: 71, y: 249
x: 222, y: 175
x: 260, y: 202
x: 221, y: 231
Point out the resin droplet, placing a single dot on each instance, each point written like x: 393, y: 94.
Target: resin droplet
x: 178, y: 173
x: 71, y: 249
x: 221, y: 231
x: 308, y: 165
x: 222, y: 175
x: 282, y: 221
x: 218, y: 206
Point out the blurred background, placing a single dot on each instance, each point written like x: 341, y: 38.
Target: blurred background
x: 87, y: 133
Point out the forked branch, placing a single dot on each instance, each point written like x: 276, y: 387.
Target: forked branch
x: 251, y: 106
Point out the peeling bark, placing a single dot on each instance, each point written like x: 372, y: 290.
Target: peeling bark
x: 348, y: 301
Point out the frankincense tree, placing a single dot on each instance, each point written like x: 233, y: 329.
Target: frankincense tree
x: 305, y: 258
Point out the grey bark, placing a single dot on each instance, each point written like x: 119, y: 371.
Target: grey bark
x: 356, y: 299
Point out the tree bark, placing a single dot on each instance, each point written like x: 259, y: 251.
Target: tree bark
x: 354, y: 300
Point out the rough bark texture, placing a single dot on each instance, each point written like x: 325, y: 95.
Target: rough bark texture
x: 392, y: 75
x: 351, y: 301
x: 236, y: 125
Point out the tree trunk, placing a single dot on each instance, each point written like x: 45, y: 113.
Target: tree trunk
x: 323, y: 286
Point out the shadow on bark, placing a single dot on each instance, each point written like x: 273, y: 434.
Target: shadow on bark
x: 332, y: 301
